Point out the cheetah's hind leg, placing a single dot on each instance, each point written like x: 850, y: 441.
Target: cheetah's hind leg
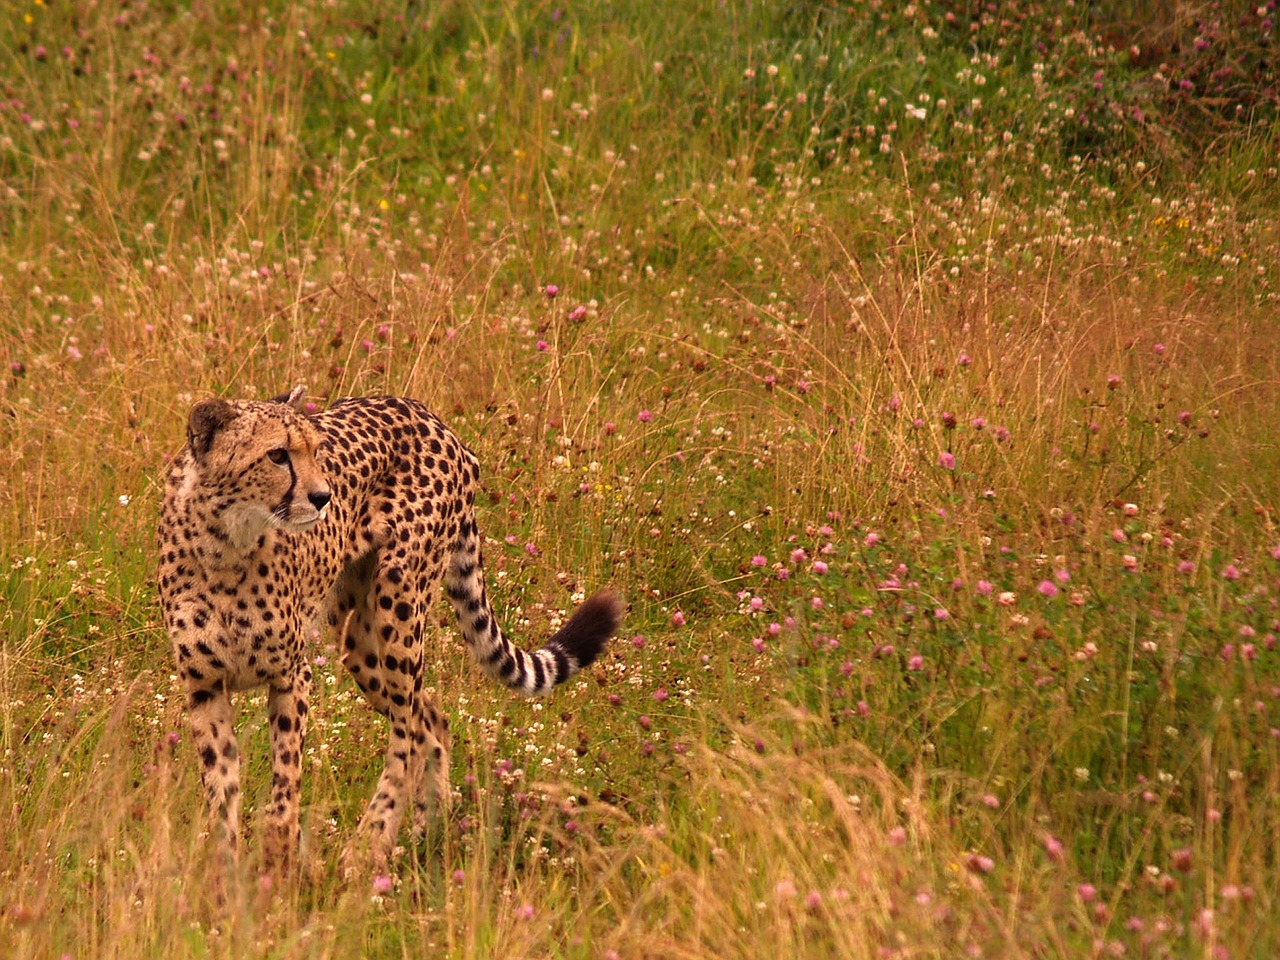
x: 431, y: 764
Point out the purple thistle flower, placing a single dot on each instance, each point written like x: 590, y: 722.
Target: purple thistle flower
x: 978, y: 863
x: 1052, y: 846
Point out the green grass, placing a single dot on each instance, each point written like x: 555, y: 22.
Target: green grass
x: 912, y: 375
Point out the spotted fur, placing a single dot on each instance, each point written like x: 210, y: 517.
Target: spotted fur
x: 275, y: 523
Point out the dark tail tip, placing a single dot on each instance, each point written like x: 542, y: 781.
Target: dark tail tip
x: 594, y: 622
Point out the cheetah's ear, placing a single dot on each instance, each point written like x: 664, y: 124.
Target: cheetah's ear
x: 293, y: 398
x: 206, y: 419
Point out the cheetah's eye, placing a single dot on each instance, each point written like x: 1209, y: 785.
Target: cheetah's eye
x: 278, y: 456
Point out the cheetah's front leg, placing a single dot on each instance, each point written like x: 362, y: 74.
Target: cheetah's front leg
x: 287, y: 710
x: 213, y: 734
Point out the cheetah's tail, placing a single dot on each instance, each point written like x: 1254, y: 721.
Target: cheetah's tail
x: 574, y: 646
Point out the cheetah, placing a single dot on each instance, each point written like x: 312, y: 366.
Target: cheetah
x: 276, y: 523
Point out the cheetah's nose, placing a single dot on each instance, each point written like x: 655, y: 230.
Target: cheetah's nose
x: 320, y: 499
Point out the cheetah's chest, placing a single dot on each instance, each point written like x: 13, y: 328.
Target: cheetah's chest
x: 264, y: 635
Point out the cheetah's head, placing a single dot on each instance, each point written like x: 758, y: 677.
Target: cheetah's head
x: 255, y: 464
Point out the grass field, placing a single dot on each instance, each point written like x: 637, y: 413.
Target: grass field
x: 911, y: 369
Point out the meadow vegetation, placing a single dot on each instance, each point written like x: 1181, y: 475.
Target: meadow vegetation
x: 911, y: 369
